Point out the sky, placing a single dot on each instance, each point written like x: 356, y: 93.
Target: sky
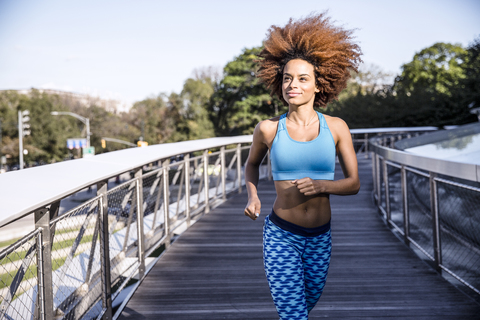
x: 132, y: 50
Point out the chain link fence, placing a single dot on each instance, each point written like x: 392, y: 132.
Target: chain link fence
x: 75, y: 260
x: 19, y: 278
x: 459, y: 211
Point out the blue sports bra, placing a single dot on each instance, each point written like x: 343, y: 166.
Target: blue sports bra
x: 293, y: 159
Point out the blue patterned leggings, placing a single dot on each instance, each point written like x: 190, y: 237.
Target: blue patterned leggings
x: 296, y: 267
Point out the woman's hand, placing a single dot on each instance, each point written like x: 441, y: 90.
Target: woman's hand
x: 253, y: 207
x: 308, y: 186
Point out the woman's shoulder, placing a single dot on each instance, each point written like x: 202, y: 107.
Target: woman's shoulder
x: 338, y: 127
x: 335, y: 123
x: 267, y: 129
x: 268, y: 124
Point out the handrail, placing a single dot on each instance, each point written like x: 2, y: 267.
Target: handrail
x: 433, y: 204
x: 24, y: 191
x: 453, y: 169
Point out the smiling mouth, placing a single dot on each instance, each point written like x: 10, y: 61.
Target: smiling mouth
x: 293, y: 94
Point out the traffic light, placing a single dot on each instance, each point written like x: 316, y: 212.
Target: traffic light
x: 142, y: 143
x: 25, y: 123
x: 104, y: 144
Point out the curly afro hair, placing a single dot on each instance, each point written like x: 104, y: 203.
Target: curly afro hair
x: 316, y: 40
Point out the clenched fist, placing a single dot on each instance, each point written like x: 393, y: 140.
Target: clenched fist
x: 252, y: 209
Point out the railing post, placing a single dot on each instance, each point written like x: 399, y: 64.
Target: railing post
x: 437, y: 248
x: 387, y: 191
x: 374, y: 178
x: 366, y: 146
x: 379, y: 187
x: 44, y: 261
x: 166, y: 203
x: 186, y: 167
x: 140, y: 233
x: 206, y: 181
x: 105, y: 252
x: 239, y: 167
x: 224, y: 172
x: 40, y: 310
x: 406, y: 216
x: 159, y: 176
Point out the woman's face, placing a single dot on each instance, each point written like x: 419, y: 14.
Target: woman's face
x: 298, y: 85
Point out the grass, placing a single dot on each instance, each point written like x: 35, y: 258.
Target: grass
x: 18, y: 255
x: 4, y: 244
x: 6, y: 279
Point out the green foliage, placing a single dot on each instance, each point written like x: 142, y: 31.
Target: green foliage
x: 240, y: 100
x: 151, y: 116
x: 438, y: 87
x: 436, y: 69
x: 196, y: 94
x: 471, y: 82
x: 160, y: 119
x: 431, y: 91
x: 47, y: 139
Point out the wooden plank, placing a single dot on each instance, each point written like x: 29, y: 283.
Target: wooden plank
x: 215, y: 269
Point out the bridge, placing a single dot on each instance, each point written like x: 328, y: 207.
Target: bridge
x: 171, y: 241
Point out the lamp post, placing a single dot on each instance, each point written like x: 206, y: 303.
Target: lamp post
x: 23, y: 130
x: 86, y: 121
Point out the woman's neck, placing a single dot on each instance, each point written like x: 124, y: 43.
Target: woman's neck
x: 303, y: 115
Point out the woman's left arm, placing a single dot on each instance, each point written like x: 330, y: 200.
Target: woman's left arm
x: 348, y: 161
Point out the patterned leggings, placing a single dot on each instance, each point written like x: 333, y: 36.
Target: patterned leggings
x: 296, y: 267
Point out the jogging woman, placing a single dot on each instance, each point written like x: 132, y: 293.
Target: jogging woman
x: 306, y: 64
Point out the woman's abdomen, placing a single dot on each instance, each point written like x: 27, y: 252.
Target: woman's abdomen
x: 295, y: 207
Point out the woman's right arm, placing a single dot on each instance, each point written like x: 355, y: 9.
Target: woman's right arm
x: 258, y: 149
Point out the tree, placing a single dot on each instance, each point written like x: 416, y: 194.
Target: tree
x: 240, y: 100
x: 367, y: 101
x: 430, y: 87
x: 368, y: 80
x: 151, y: 117
x: 47, y: 141
x: 471, y: 82
x: 436, y: 69
x: 196, y: 96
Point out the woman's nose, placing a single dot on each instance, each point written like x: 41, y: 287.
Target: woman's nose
x: 294, y: 83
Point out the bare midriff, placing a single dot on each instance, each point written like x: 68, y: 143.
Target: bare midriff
x: 305, y: 211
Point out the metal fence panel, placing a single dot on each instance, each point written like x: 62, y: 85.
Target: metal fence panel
x: 460, y: 224
x: 395, y: 197
x: 18, y: 278
x: 76, y: 261
x: 420, y: 217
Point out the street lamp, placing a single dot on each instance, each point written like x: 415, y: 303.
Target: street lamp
x: 86, y: 121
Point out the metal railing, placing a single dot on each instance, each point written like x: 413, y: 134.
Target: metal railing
x: 434, y: 205
x: 361, y: 137
x: 78, y: 265
x: 87, y: 262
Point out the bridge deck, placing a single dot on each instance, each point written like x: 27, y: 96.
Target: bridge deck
x: 215, y: 270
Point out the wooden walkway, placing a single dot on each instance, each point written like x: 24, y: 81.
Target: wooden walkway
x: 215, y: 269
